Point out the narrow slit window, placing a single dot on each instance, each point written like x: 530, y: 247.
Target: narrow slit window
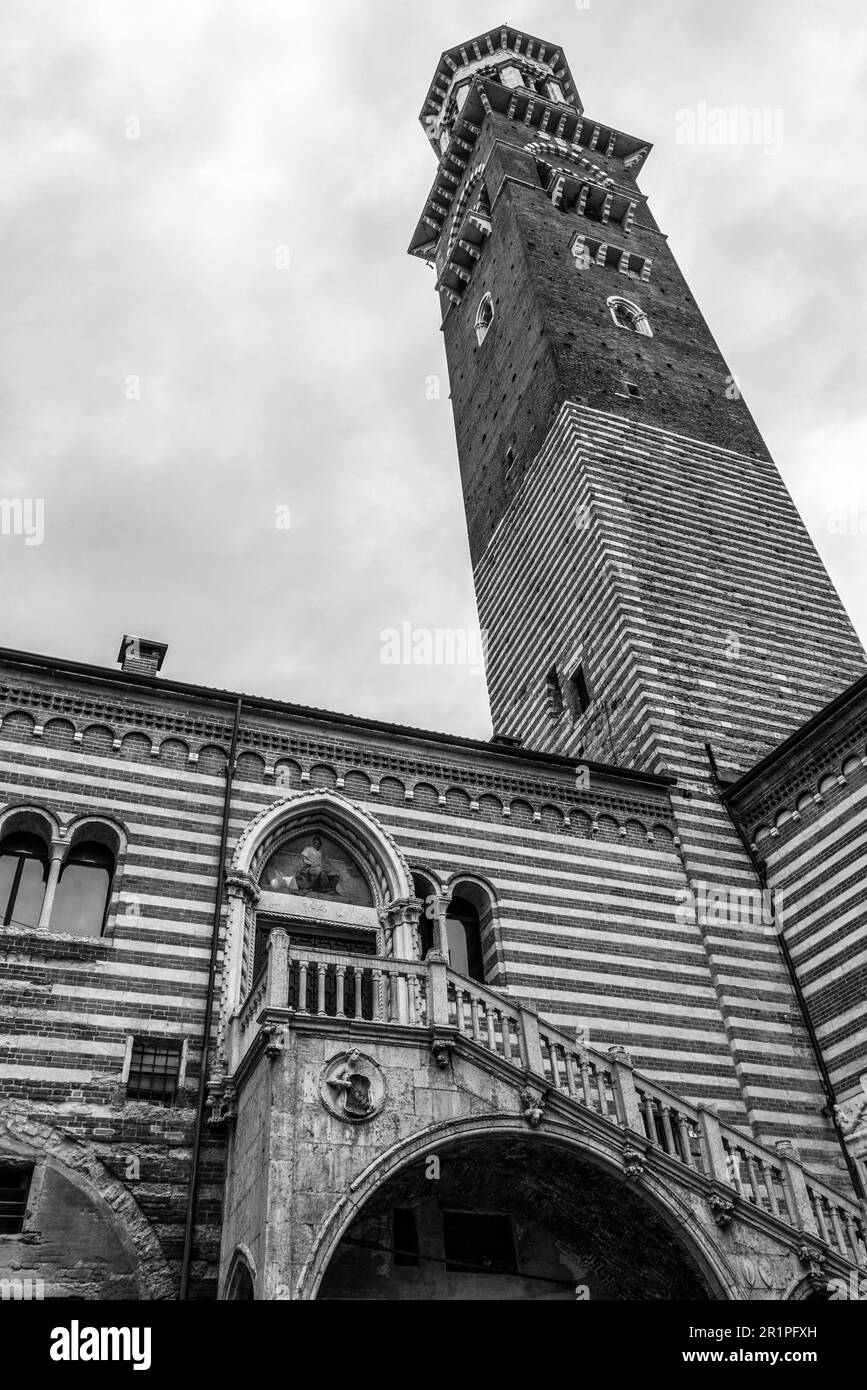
x: 581, y: 698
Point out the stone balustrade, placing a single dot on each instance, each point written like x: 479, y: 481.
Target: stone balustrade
x: 384, y: 991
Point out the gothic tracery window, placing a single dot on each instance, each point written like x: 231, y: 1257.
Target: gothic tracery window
x: 628, y: 315
x: 484, y: 318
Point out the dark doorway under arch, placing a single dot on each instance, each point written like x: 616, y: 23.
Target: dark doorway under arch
x: 512, y: 1217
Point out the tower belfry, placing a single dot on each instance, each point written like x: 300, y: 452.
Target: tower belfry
x: 645, y: 581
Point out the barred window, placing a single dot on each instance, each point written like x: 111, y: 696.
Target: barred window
x: 14, y: 1192
x: 154, y: 1071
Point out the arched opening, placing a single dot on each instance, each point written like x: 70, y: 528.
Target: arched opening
x: 241, y: 1287
x: 471, y: 930
x: 464, y: 938
x: 23, y: 876
x: 426, y: 890
x: 511, y: 1216
x: 82, y: 890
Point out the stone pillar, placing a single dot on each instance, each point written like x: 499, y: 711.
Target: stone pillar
x: 58, y: 852
x: 242, y: 894
x: 628, y: 1109
x: 712, y: 1144
x: 437, y: 994
x: 277, y: 994
x: 797, y: 1196
x: 530, y: 1042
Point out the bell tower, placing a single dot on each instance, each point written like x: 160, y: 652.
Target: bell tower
x: 643, y: 577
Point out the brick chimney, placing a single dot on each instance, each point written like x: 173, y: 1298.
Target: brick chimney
x: 140, y: 656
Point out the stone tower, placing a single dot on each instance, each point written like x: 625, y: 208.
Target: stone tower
x: 645, y: 581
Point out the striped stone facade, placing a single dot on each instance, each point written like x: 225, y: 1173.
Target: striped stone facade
x: 803, y: 811
x: 643, y: 1028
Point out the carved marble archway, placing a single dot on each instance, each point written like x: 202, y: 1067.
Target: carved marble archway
x: 659, y: 1195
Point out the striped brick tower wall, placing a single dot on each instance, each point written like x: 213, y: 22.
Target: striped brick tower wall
x: 803, y: 813
x: 627, y: 526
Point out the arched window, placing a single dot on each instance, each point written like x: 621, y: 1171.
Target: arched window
x: 484, y: 318
x: 82, y: 891
x: 23, y: 876
x: 424, y: 888
x: 628, y: 315
x: 464, y: 937
x: 241, y: 1286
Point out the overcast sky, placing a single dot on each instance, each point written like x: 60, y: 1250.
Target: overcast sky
x: 168, y: 381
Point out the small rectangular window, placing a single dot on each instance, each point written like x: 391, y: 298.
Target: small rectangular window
x: 14, y: 1191
x: 405, y: 1230
x: 154, y: 1071
x: 476, y: 1244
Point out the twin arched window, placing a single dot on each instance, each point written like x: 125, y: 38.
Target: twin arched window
x: 628, y: 315
x: 67, y: 895
x: 484, y: 317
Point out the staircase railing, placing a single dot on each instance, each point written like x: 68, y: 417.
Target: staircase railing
x: 428, y: 994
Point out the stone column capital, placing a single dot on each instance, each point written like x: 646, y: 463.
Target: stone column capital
x: 242, y: 885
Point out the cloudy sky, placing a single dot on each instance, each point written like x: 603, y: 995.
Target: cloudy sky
x: 208, y: 313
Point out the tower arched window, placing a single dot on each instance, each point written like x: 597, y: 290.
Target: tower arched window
x: 484, y: 317
x: 82, y: 890
x: 23, y: 876
x: 628, y: 315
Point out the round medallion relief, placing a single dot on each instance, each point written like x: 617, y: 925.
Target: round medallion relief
x: 352, y: 1086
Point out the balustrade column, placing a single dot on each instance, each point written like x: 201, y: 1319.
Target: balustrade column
x: 378, y: 995
x: 302, y: 986
x: 685, y: 1145
x: 341, y: 985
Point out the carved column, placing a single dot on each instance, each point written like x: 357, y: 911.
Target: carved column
x: 242, y: 894
x: 400, y: 924
x: 436, y: 908
x: 58, y: 852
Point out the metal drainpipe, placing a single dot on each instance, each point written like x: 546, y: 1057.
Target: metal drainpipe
x: 209, y: 1013
x: 816, y: 1046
